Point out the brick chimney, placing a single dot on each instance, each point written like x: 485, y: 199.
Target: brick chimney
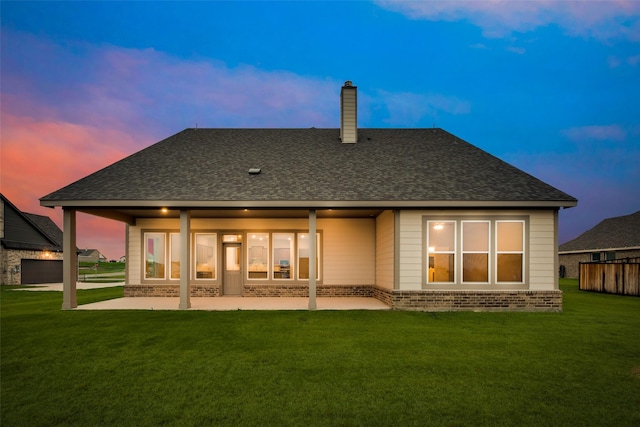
x: 349, y: 113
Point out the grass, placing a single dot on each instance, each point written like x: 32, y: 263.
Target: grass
x: 579, y: 367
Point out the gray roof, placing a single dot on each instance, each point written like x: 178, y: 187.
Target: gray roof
x: 26, y: 231
x: 47, y: 225
x: 612, y: 233
x: 307, y: 165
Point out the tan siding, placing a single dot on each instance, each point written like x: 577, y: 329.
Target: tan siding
x: 410, y: 250
x: 348, y: 252
x: 134, y: 258
x: 542, y: 274
x: 385, y: 240
x: 541, y: 244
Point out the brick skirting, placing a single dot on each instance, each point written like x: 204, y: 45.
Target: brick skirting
x: 425, y: 300
x: 170, y: 290
x: 420, y: 300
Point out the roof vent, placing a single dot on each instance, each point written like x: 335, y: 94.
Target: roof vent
x: 254, y: 171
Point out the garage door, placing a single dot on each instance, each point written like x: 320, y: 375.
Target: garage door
x: 40, y: 271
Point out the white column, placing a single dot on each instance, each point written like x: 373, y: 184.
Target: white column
x: 69, y: 260
x: 185, y: 249
x: 313, y: 245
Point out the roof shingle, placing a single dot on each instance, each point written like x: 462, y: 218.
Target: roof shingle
x: 612, y: 233
x: 389, y: 165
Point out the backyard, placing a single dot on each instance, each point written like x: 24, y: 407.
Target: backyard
x: 148, y: 368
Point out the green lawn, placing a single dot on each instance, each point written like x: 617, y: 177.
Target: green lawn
x: 579, y: 367
x: 87, y: 272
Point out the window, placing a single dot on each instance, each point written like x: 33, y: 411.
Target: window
x: 303, y: 256
x: 595, y: 256
x: 174, y: 250
x: 154, y: 255
x: 609, y: 256
x: 510, y: 251
x: 441, y: 244
x: 283, y: 255
x: 475, y: 251
x: 258, y: 255
x: 205, y: 256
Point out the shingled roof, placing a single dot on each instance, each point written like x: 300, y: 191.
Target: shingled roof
x: 28, y: 231
x: 622, y: 232
x: 392, y: 166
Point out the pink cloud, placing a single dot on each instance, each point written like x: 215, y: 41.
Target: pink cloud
x: 40, y: 156
x: 498, y: 18
x: 595, y: 133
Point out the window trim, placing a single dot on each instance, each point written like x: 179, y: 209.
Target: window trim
x: 143, y: 271
x: 436, y: 252
x: 194, y: 256
x: 498, y: 252
x: 492, y: 284
x: 487, y: 252
x: 218, y: 277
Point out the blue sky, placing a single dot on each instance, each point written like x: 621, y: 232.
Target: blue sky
x: 552, y: 87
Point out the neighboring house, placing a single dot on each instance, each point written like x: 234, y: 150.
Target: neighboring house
x: 30, y: 247
x: 613, y: 238
x: 123, y: 259
x: 416, y: 218
x: 91, y: 255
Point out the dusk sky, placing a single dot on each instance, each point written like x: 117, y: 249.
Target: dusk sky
x: 552, y: 87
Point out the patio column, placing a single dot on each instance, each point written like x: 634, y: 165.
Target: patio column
x: 312, y: 259
x: 185, y: 249
x: 69, y: 260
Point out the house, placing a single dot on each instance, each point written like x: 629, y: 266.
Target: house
x: 416, y: 218
x: 91, y: 255
x: 613, y: 238
x: 30, y: 247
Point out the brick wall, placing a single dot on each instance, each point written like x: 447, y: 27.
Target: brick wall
x: 170, y: 290
x: 425, y: 300
x: 422, y: 300
x: 11, y: 258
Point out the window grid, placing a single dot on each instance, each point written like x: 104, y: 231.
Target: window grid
x: 470, y: 240
x: 442, y: 252
x: 507, y: 257
x: 512, y: 253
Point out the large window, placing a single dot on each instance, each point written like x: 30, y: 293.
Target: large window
x: 283, y: 255
x: 441, y: 244
x: 510, y: 251
x: 175, y: 255
x: 475, y: 252
x: 277, y: 256
x: 154, y: 255
x: 258, y: 255
x: 205, y: 255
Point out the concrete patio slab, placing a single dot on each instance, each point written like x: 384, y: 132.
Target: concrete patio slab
x: 237, y: 303
x: 216, y: 304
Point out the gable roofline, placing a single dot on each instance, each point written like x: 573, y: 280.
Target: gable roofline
x: 9, y: 244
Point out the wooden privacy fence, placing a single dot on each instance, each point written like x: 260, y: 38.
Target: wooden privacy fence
x: 620, y: 276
